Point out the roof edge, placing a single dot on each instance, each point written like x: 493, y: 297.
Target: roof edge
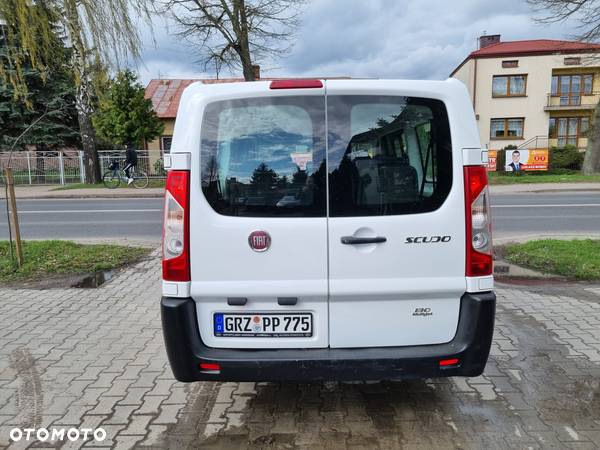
x: 522, y: 53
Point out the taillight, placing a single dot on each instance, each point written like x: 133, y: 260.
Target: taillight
x: 478, y: 221
x: 176, y: 260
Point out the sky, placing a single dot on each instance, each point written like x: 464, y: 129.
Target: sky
x: 411, y: 39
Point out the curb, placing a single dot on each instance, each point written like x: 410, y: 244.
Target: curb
x: 88, y: 195
x: 506, y: 270
x: 137, y: 195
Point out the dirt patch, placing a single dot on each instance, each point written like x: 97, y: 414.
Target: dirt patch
x: 78, y: 280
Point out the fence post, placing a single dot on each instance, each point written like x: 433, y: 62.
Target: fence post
x: 81, y: 167
x: 29, y: 167
x: 61, y: 167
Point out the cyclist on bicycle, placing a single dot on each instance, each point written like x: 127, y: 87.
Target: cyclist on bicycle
x: 130, y: 162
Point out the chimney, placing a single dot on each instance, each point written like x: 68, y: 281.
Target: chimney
x: 256, y: 71
x: 486, y: 41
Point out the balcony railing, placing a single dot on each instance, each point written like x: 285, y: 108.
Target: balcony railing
x: 572, y: 101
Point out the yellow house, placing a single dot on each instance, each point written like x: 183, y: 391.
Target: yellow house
x: 532, y: 94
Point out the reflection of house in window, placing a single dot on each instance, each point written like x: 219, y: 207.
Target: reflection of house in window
x: 165, y: 143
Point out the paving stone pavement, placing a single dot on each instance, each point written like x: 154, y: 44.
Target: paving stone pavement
x: 74, y: 358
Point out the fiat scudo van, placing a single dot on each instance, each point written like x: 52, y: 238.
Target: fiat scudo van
x: 326, y: 230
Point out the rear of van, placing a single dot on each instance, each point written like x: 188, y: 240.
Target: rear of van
x: 327, y: 229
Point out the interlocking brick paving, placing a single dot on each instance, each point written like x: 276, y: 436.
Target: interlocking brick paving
x: 91, y: 358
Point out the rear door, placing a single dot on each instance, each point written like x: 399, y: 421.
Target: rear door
x: 258, y: 226
x: 396, y: 216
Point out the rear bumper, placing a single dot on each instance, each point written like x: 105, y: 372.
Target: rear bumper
x: 471, y: 345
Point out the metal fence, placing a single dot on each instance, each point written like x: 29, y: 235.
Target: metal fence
x: 149, y: 162
x: 45, y: 167
x: 64, y: 167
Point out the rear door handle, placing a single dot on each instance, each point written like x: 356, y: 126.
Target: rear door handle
x: 351, y: 240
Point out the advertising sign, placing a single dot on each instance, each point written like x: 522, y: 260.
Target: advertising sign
x: 492, y: 155
x: 526, y: 160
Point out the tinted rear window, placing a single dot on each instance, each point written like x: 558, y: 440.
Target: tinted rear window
x: 265, y: 156
x: 387, y: 155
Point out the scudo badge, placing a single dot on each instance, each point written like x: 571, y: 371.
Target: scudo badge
x: 259, y: 241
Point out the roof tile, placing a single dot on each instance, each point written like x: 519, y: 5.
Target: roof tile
x: 534, y: 46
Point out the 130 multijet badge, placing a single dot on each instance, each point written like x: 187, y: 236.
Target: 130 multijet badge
x: 423, y: 312
x: 259, y: 241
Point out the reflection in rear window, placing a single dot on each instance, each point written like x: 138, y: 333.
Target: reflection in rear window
x: 265, y: 157
x: 387, y: 155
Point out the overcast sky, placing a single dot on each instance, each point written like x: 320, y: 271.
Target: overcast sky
x: 419, y: 39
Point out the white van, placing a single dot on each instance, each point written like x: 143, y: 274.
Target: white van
x: 327, y: 230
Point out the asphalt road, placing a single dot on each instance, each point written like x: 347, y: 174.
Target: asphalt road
x: 136, y: 219
x: 514, y: 215
x: 554, y: 213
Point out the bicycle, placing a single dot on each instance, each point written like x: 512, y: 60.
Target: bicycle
x: 112, y: 179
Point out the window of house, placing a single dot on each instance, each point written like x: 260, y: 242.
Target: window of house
x: 570, y: 88
x: 165, y: 143
x: 509, y: 85
x: 584, y: 126
x: 507, y: 128
x: 509, y: 64
x: 567, y: 130
x: 572, y: 61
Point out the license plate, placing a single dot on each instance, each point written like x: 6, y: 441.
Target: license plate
x: 263, y: 325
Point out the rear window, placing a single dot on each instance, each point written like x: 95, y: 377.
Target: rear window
x: 265, y: 156
x: 387, y: 155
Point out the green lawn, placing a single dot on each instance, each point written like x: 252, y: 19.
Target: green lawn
x: 152, y: 183
x: 52, y: 258
x: 579, y: 259
x: 508, y: 178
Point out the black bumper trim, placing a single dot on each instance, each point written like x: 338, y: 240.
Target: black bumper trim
x: 471, y: 345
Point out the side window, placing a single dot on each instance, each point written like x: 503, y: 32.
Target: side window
x: 265, y: 157
x: 387, y: 155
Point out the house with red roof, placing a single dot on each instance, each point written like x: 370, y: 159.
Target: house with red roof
x: 533, y: 93
x: 165, y: 95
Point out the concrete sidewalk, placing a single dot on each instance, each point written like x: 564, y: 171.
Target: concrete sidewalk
x: 524, y: 188
x: 35, y: 192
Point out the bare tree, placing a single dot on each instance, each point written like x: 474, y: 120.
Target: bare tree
x: 100, y: 33
x: 587, y: 15
x: 235, y: 33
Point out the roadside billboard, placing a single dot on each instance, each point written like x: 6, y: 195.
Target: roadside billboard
x: 526, y: 160
x: 492, y: 155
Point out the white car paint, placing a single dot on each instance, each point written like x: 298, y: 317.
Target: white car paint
x: 360, y: 296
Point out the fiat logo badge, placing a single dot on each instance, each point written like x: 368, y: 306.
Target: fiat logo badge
x: 259, y: 241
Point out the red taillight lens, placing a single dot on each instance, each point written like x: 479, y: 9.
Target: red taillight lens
x: 296, y: 84
x: 176, y: 260
x: 210, y: 366
x: 449, y: 362
x: 478, y: 222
